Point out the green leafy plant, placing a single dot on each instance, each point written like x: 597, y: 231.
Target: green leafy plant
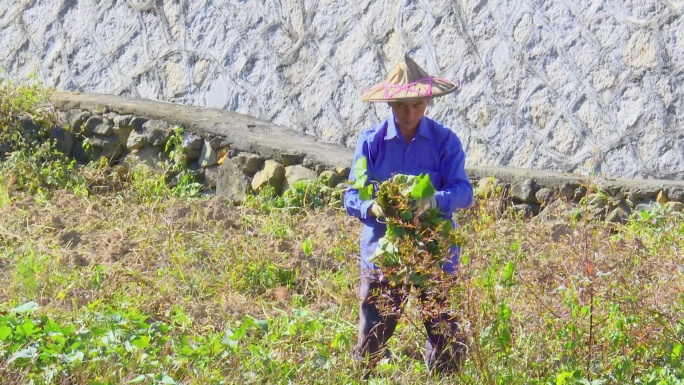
x: 307, y: 246
x: 303, y: 194
x: 31, y: 162
x: 185, y: 184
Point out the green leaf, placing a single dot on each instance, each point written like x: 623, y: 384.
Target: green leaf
x: 300, y: 313
x: 585, y: 310
x: 28, y: 306
x: 360, y: 167
x: 563, y: 377
x: 366, y: 193
x: 340, y: 340
x: 27, y: 328
x: 140, y: 378
x: 676, y: 350
x: 141, y: 342
x: 307, y: 246
x: 52, y: 327
x: 508, y: 271
x: 360, y: 182
x: 423, y: 187
x: 445, y: 228
x: 29, y: 353
x: 74, y: 357
x: 166, y: 379
x: 388, y: 247
x: 263, y: 324
x: 5, y: 331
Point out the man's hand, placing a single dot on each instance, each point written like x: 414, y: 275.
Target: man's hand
x: 425, y: 204
x: 376, y: 211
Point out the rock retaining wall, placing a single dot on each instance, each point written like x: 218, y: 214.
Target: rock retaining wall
x: 234, y: 154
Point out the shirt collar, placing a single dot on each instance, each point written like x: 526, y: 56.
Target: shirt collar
x: 393, y: 131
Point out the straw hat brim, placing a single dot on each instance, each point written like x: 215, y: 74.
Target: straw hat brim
x: 408, y: 81
x: 425, y: 88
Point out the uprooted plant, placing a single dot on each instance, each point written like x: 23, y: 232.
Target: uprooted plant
x: 417, y: 243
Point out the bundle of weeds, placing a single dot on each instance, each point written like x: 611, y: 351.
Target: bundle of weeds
x: 417, y: 244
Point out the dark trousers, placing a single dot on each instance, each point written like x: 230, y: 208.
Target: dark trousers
x: 379, y: 312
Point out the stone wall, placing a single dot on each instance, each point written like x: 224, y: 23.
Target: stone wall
x: 234, y: 154
x: 553, y: 85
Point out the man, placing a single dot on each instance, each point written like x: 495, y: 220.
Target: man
x: 407, y: 143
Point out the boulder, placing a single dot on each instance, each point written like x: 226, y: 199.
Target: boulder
x: 526, y: 210
x: 77, y: 120
x: 121, y: 120
x: 580, y: 192
x: 108, y: 147
x: 232, y: 184
x: 136, y: 140
x: 272, y: 175
x: 33, y: 129
x: 608, y: 188
x: 675, y: 194
x: 5, y: 147
x: 296, y: 173
x: 319, y: 168
x: 64, y: 140
x: 192, y: 146
x: 597, y: 199
x: 215, y: 142
x: 137, y: 123
x: 648, y: 206
x: 208, y: 156
x: 211, y: 175
x: 99, y: 125
x: 123, y: 127
x: 567, y: 191
x: 619, y: 215
x: 662, y: 197
x: 157, y: 132
x: 674, y: 206
x: 343, y: 170
x: 331, y: 178
x: 290, y: 159
x: 558, y: 209
x: 524, y: 191
x: 249, y: 163
x: 79, y: 153
x: 148, y: 156
x: 545, y: 195
x: 487, y: 187
x: 642, y: 194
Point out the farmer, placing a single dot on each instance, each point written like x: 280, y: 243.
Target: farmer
x: 407, y: 143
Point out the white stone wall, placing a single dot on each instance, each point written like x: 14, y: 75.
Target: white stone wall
x: 569, y: 85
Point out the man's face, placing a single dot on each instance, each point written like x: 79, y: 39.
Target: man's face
x: 408, y: 113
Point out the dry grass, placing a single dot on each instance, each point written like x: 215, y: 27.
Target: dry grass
x: 584, y: 297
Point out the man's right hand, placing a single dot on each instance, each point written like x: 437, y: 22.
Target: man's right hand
x: 376, y: 211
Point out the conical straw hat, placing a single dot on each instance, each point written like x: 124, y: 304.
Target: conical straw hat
x: 408, y: 81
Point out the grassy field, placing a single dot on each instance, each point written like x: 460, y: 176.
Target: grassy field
x: 108, y: 276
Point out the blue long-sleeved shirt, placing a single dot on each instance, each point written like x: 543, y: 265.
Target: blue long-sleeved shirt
x: 434, y: 150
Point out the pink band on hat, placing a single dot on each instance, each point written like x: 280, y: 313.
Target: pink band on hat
x: 397, y: 88
x: 391, y: 90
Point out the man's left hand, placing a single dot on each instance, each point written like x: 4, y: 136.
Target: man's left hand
x: 426, y: 204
